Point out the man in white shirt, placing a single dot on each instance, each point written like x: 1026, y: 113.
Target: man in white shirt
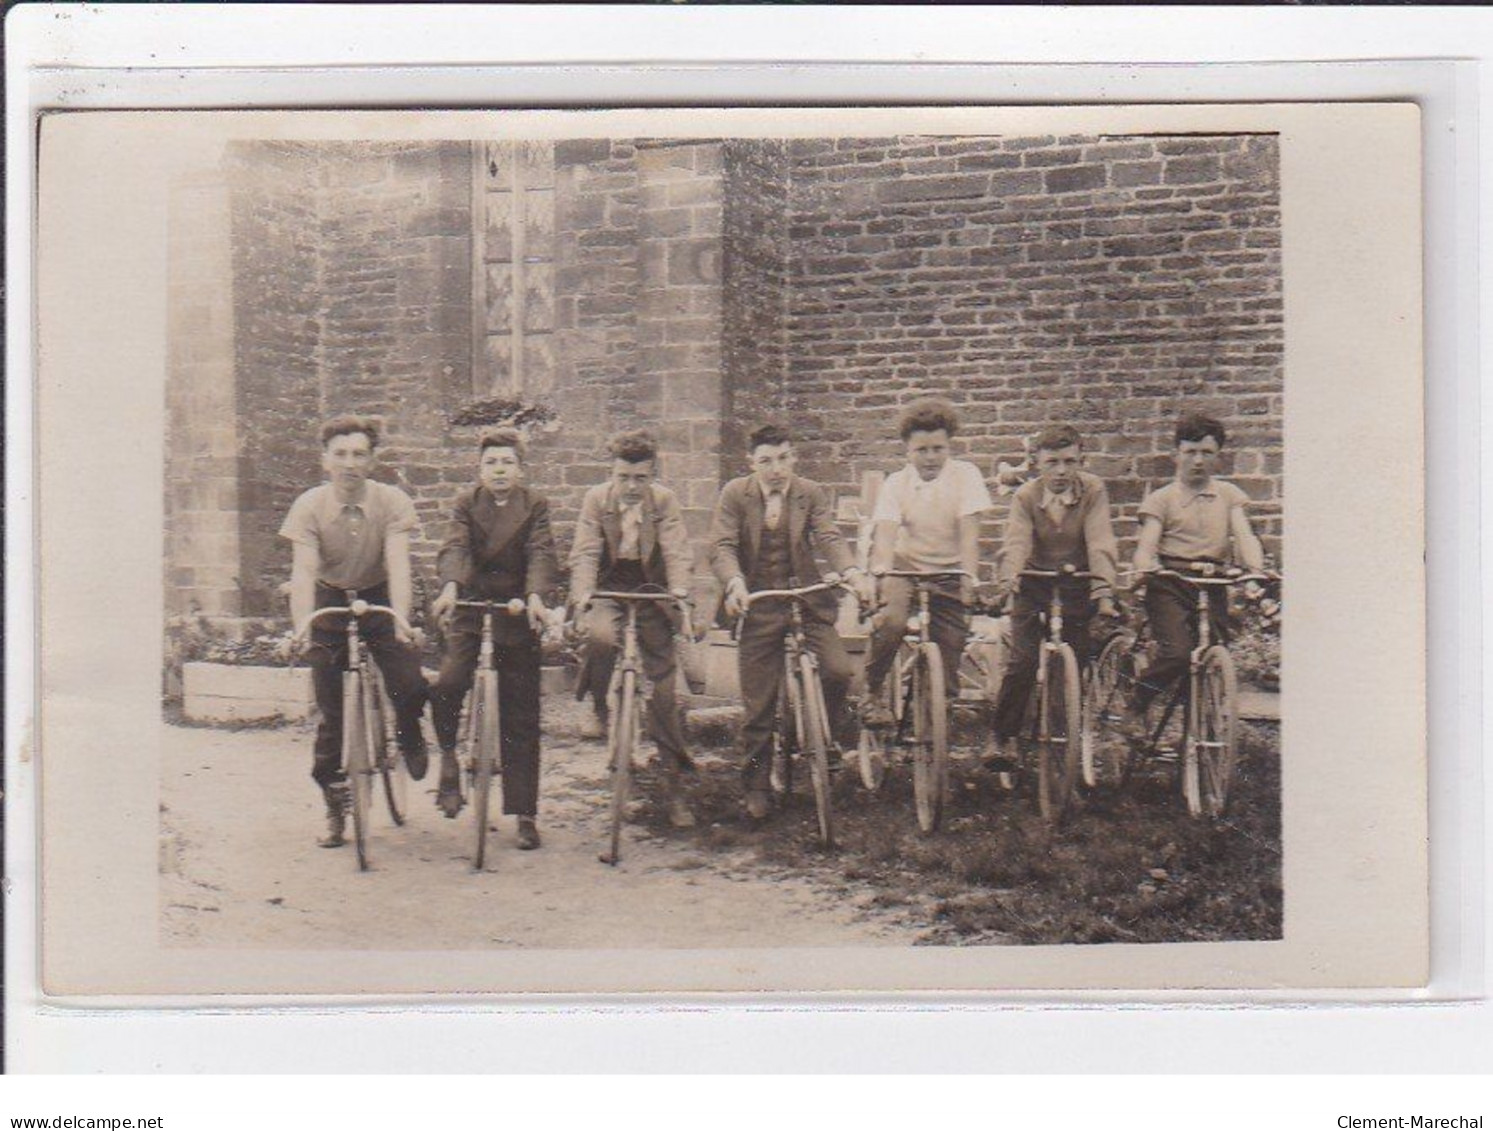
x: 927, y: 517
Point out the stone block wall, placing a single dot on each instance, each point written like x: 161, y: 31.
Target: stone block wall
x: 1108, y: 282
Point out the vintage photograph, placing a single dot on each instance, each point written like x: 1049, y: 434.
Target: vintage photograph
x: 723, y: 542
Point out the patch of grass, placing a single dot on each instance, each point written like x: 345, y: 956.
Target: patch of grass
x: 1127, y: 866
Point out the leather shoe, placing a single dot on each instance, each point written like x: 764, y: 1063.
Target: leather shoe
x: 876, y: 714
x: 593, y: 729
x: 412, y: 746
x: 528, y: 834
x: 758, y: 804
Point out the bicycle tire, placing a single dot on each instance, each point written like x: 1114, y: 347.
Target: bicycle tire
x: 391, y: 770
x: 1059, y: 754
x: 486, y: 735
x: 624, y: 737
x: 815, y: 718
x: 1105, y: 761
x: 355, y: 762
x: 1218, y: 732
x: 930, y: 767
x: 787, y: 740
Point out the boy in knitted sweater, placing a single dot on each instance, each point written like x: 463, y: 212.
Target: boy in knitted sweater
x: 1061, y: 518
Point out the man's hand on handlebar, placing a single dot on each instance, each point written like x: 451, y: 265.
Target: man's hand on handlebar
x: 444, y: 605
x: 736, y: 597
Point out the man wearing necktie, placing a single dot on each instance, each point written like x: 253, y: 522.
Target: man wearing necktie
x: 631, y: 533
x: 1061, y: 518
x: 767, y: 529
x: 351, y: 535
x: 498, y: 547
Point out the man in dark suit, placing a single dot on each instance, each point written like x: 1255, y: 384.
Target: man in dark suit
x: 498, y: 547
x: 767, y: 529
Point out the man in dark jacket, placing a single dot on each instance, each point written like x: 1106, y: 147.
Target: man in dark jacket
x: 498, y: 547
x: 767, y: 528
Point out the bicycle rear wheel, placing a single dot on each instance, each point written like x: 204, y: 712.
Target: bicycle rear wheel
x: 390, y: 767
x: 815, y: 718
x: 624, y: 738
x: 486, y: 735
x: 1217, y: 735
x: 1112, y: 677
x: 1058, y: 736
x: 930, y: 767
x: 356, y: 761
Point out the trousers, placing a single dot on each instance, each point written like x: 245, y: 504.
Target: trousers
x: 328, y: 657
x: 1172, y: 612
x: 949, y: 629
x: 759, y: 658
x: 603, y: 626
x: 1028, y: 631
x: 516, y: 655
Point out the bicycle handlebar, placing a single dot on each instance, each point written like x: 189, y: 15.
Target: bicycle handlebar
x: 606, y: 595
x: 359, y: 609
x: 1060, y: 574
x: 799, y: 593
x: 925, y: 574
x: 515, y: 606
x: 1206, y: 576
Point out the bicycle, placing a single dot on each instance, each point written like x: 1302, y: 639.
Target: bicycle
x: 484, y: 732
x: 366, y: 750
x: 918, y: 693
x: 627, y: 696
x: 1208, y: 698
x: 803, y: 726
x: 1058, y: 728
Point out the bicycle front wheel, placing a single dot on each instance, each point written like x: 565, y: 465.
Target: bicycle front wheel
x: 815, y: 717
x: 486, y: 735
x: 624, y: 738
x: 391, y: 769
x: 1058, y: 737
x: 1217, y: 730
x: 1105, y: 759
x: 356, y: 761
x: 930, y: 767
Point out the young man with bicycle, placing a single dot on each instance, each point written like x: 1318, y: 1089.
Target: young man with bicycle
x: 927, y: 517
x: 1195, y: 519
x: 350, y: 539
x: 630, y: 534
x: 498, y: 547
x: 1059, y: 520
x: 768, y: 527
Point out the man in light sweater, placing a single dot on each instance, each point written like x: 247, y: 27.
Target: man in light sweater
x: 1061, y: 518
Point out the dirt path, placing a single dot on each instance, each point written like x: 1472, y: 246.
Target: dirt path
x: 240, y: 866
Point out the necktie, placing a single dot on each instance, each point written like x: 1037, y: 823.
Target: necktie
x: 774, y: 513
x: 632, y: 524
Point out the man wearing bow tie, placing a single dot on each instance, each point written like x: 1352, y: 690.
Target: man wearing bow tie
x: 631, y: 533
x: 767, y: 529
x: 1061, y: 518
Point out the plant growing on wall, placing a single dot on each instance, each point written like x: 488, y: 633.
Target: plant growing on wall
x: 507, y: 412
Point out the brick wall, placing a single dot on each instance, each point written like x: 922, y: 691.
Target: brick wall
x: 1106, y: 282
x: 702, y: 285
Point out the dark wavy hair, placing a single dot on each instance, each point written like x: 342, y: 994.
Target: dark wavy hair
x: 503, y: 438
x: 633, y: 447
x: 1194, y: 426
x: 768, y: 435
x: 929, y: 414
x: 348, y: 425
x: 1056, y: 436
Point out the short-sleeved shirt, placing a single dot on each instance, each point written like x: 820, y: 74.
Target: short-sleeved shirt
x: 1195, y: 525
x: 349, y: 538
x: 927, y: 513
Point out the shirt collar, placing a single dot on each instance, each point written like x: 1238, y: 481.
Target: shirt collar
x: 766, y: 494
x: 1209, y: 491
x: 1069, y: 497
x: 921, y: 484
x: 358, y: 504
